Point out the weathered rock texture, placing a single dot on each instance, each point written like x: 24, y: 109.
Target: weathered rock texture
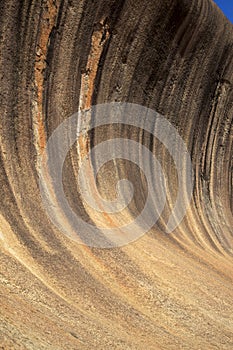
x: 160, y: 292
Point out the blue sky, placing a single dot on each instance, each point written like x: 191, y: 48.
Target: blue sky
x: 227, y: 7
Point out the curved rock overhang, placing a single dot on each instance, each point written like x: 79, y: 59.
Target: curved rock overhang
x: 162, y: 291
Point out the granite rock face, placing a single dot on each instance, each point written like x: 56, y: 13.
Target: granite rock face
x: 161, y: 291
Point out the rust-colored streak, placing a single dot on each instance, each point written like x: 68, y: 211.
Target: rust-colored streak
x: 99, y: 38
x: 48, y: 19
